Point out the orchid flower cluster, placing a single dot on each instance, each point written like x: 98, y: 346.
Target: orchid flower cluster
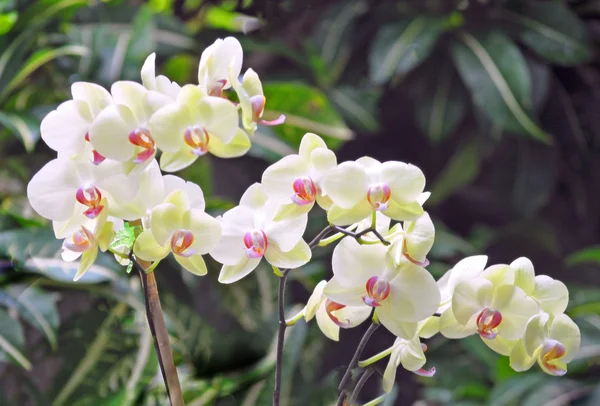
x: 106, y: 175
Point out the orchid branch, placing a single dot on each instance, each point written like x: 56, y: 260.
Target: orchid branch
x: 361, y: 346
x: 156, y: 321
x: 282, y: 321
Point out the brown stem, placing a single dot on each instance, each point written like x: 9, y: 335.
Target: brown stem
x: 156, y: 321
x: 282, y: 323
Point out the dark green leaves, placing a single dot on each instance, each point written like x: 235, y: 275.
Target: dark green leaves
x: 496, y: 73
x: 441, y: 104
x: 12, y: 341
x: 401, y: 46
x: 37, y: 307
x: 552, y: 31
x: 306, y: 109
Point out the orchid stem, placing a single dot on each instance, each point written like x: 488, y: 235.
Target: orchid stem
x: 375, y: 401
x: 375, y: 358
x: 361, y: 346
x: 282, y: 322
x: 156, y: 321
x: 361, y: 382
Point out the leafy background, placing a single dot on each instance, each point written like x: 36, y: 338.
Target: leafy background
x: 496, y: 100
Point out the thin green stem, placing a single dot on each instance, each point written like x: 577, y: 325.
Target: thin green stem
x: 293, y: 320
x: 376, y: 401
x: 375, y: 358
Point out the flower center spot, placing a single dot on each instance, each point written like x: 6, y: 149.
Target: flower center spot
x: 197, y: 139
x: 305, y: 191
x: 487, y: 321
x: 81, y: 240
x: 378, y: 196
x: 91, y: 198
x: 181, y: 240
x: 378, y: 289
x: 256, y: 243
x: 140, y: 137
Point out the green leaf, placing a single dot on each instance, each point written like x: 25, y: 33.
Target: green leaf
x: 333, y: 39
x: 536, y: 176
x: 552, y: 391
x: 400, y: 47
x: 38, y: 251
x: 219, y: 18
x: 7, y: 21
x: 38, y: 59
x: 460, y: 171
x: 12, y: 341
x: 27, y: 129
x: 588, y: 255
x: 441, y: 104
x: 494, y: 70
x: 93, y: 355
x: 36, y: 306
x: 306, y: 109
x: 551, y: 30
x: 510, y: 391
x: 359, y: 107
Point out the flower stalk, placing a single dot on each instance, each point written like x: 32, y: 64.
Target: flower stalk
x: 156, y: 321
x: 361, y: 346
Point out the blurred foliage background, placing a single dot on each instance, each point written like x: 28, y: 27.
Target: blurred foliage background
x: 496, y: 100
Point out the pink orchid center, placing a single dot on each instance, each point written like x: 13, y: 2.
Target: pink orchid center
x: 425, y: 372
x: 140, y: 137
x: 91, y: 198
x: 81, y: 240
x: 552, y: 350
x: 378, y: 196
x: 487, y: 321
x: 216, y: 89
x: 258, y: 103
x: 378, y: 289
x: 181, y: 241
x: 256, y: 243
x: 305, y: 191
x: 423, y: 263
x: 198, y: 139
x: 330, y: 307
x: 97, y: 159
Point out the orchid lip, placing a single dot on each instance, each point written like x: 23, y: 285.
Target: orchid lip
x: 378, y: 196
x: 331, y: 306
x: 140, y: 137
x: 378, y: 289
x: 305, y: 191
x: 487, y: 321
x: 552, y: 350
x: 91, y: 198
x: 81, y: 240
x: 424, y: 372
x: 423, y: 263
x: 197, y: 139
x: 258, y: 106
x: 256, y: 243
x: 181, y: 241
x: 217, y: 89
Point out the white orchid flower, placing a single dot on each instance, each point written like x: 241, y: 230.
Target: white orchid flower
x: 364, y: 276
x: 296, y: 181
x: 63, y: 188
x: 66, y: 129
x: 359, y: 188
x: 179, y: 225
x: 552, y: 341
x: 252, y: 101
x: 194, y: 125
x: 332, y: 316
x: 250, y: 233
x: 216, y: 63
